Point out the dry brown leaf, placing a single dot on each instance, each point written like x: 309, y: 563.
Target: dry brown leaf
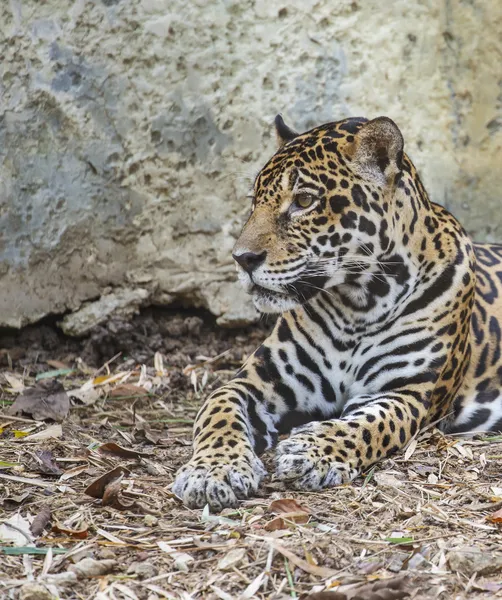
x: 287, y: 505
x: 51, y: 432
x: 41, y: 520
x: 143, y: 433
x: 107, y: 488
x: 231, y: 559
x: 73, y: 472
x: 98, y: 487
x: 116, y: 450
x: 47, y: 400
x: 16, y: 384
x: 47, y: 466
x: 285, y: 521
x: 88, y: 567
x: 108, y: 379
x: 301, y: 563
x: 15, y: 500
x: 127, y: 389
x: 381, y: 590
x: 80, y: 534
x: 57, y: 364
x: 495, y: 517
x: 111, y: 497
x: 290, y: 510
x: 393, y: 589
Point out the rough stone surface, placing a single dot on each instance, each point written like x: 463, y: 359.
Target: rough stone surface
x: 130, y: 130
x: 34, y: 591
x: 470, y: 560
x: 121, y: 304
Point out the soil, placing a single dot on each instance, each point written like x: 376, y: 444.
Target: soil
x: 89, y: 502
x: 179, y: 335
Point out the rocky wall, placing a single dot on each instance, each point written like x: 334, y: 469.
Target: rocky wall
x: 130, y: 131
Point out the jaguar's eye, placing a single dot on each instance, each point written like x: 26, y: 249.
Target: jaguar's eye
x: 304, y: 200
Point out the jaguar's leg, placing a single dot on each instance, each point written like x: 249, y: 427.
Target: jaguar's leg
x: 327, y: 453
x: 235, y: 424
x: 224, y: 466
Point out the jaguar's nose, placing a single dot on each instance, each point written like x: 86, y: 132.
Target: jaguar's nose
x: 250, y: 261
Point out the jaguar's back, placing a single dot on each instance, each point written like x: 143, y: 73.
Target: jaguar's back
x: 478, y: 406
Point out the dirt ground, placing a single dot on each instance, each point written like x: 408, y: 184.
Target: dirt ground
x: 86, y: 509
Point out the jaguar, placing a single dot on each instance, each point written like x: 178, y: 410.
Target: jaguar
x: 389, y: 320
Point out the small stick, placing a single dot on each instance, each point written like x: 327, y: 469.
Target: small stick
x: 108, y: 362
x: 21, y: 419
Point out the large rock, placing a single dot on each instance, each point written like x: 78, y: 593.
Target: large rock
x: 130, y: 131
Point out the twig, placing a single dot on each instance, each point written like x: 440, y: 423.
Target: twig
x: 20, y: 419
x: 108, y: 362
x: 29, y: 481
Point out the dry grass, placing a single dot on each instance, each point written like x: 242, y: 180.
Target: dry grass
x: 429, y: 516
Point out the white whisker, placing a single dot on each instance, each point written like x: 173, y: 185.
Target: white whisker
x: 315, y: 287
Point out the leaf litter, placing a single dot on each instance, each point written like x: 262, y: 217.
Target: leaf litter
x: 97, y: 519
x: 41, y: 520
x: 46, y: 400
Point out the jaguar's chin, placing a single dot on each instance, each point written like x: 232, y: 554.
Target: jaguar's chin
x: 272, y: 301
x: 269, y: 301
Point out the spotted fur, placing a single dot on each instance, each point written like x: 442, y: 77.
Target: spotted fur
x: 391, y: 319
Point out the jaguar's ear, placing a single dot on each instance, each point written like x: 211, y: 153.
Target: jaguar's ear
x: 377, y: 150
x: 283, y: 132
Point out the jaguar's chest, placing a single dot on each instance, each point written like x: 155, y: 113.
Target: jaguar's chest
x: 326, y: 366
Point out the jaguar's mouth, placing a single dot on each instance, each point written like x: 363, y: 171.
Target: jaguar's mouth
x: 258, y: 291
x: 267, y: 300
x: 271, y: 301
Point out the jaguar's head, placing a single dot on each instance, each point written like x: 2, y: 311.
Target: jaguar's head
x: 319, y: 212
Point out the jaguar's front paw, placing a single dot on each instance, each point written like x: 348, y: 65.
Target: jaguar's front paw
x: 306, y: 461
x: 220, y: 485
